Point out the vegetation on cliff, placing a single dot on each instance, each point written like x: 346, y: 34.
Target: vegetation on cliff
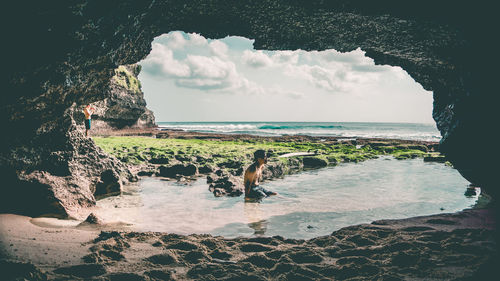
x: 127, y: 80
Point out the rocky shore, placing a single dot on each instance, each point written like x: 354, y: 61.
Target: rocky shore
x: 222, y: 158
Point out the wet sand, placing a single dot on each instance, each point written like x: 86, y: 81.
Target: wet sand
x: 445, y: 246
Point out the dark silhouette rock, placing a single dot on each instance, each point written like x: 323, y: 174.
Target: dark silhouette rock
x: 237, y: 172
x: 314, y: 162
x: 93, y: 219
x: 178, y: 169
x: 146, y: 173
x: 224, y: 184
x: 206, y: 169
x: 159, y: 160
x: 231, y: 164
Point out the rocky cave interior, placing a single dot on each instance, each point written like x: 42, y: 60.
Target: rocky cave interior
x: 79, y: 44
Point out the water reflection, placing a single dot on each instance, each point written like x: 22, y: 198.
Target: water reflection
x: 254, y: 216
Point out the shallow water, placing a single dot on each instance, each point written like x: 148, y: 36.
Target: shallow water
x: 309, y: 204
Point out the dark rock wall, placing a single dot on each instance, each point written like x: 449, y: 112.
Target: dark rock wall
x: 61, y: 55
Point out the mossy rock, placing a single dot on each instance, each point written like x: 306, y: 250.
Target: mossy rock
x: 314, y: 162
x: 159, y: 160
x: 178, y: 169
x: 124, y: 78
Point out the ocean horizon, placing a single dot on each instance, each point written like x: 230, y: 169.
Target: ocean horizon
x: 387, y: 130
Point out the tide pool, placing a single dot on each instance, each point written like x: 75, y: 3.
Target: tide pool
x: 309, y: 204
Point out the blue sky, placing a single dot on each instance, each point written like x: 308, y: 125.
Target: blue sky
x: 187, y: 77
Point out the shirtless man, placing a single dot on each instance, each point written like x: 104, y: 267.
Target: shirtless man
x: 252, y: 176
x: 88, y: 111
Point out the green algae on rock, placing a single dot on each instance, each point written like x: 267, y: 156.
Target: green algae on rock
x: 225, y: 160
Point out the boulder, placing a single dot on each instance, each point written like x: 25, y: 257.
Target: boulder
x: 110, y: 184
x: 224, y: 184
x: 145, y: 173
x: 92, y: 219
x: 182, y: 158
x: 231, y: 164
x: 237, y: 172
x: 273, y: 170
x: 178, y: 169
x: 205, y: 169
x: 159, y: 160
x: 314, y: 162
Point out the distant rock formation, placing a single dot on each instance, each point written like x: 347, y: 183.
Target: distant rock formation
x: 125, y: 107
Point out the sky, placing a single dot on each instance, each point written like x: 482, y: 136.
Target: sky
x: 188, y: 77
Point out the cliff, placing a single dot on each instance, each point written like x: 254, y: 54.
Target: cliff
x: 125, y: 107
x: 445, y: 46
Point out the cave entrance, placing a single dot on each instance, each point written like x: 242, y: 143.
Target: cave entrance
x: 187, y: 78
x: 225, y: 86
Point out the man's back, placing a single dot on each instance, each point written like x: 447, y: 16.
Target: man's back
x: 251, y: 177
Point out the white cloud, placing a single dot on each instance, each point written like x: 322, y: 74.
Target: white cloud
x: 210, y: 73
x: 328, y: 79
x: 197, y: 63
x: 161, y: 62
x: 172, y: 40
x: 218, y: 48
x: 355, y: 57
x: 256, y: 59
x: 284, y: 84
x: 197, y: 39
x: 210, y: 67
x: 286, y: 57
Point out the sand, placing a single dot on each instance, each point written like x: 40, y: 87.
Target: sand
x: 444, y: 246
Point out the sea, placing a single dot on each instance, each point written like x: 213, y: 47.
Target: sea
x: 405, y: 131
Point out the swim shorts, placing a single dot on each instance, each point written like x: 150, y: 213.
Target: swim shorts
x: 87, y: 124
x: 258, y: 192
